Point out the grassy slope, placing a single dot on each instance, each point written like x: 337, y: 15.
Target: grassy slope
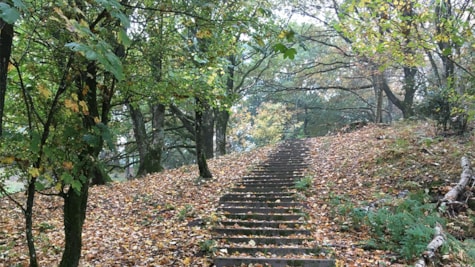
x: 164, y: 219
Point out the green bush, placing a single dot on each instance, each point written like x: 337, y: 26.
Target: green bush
x: 405, y: 227
x: 304, y: 184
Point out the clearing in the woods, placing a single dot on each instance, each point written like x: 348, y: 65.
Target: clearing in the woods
x: 173, y: 218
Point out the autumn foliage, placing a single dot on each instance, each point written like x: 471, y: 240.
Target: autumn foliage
x: 165, y: 219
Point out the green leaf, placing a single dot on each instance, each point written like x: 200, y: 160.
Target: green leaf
x: 91, y: 140
x: 280, y: 48
x: 67, y: 178
x: 76, y: 185
x: 39, y: 186
x: 19, y: 4
x: 9, y: 14
x: 35, y: 143
x: 122, y: 17
x: 91, y: 55
x: 124, y: 38
x: 290, y: 53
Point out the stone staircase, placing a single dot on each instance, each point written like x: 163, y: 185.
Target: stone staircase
x: 263, y: 224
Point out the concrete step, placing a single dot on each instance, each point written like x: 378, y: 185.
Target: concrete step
x: 267, y: 183
x: 261, y: 196
x: 274, y: 262
x: 261, y: 204
x: 258, y: 241
x: 270, y: 217
x: 272, y: 224
x: 259, y: 210
x: 261, y: 231
x: 259, y: 189
x: 274, y: 251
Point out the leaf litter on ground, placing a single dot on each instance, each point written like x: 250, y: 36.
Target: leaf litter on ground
x: 165, y: 219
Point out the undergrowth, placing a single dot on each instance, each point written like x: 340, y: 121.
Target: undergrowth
x: 404, y: 226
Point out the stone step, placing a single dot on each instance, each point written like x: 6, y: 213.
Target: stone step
x: 277, y: 251
x: 260, y: 231
x: 271, y: 171
x: 273, y: 177
x: 257, y: 241
x: 268, y: 183
x: 258, y: 210
x: 264, y: 179
x: 274, y: 262
x: 261, y: 197
x: 272, y: 224
x: 259, y: 189
x: 258, y: 216
x: 261, y: 204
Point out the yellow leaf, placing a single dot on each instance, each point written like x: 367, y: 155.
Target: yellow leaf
x: 84, y: 107
x: 44, y: 91
x: 187, y: 261
x: 71, y: 105
x: 97, y: 120
x: 10, y: 67
x: 85, y: 90
x: 34, y: 172
x: 68, y: 165
x: 7, y: 160
x: 58, y: 186
x: 74, y: 96
x: 282, y: 34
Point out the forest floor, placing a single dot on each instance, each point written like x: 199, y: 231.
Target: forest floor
x: 165, y: 219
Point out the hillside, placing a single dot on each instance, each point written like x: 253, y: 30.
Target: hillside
x: 164, y: 219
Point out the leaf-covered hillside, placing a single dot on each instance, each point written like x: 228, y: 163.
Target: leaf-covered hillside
x: 164, y: 219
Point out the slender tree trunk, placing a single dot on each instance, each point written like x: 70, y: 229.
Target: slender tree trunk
x: 140, y: 135
x: 208, y: 132
x: 378, y: 91
x: 75, y: 203
x: 29, y: 222
x: 222, y: 119
x: 200, y: 151
x: 158, y: 137
x: 409, y: 91
x: 6, y: 38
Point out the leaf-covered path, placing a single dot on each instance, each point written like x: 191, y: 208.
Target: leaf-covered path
x: 263, y: 222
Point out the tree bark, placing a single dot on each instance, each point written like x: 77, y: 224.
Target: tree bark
x: 6, y: 39
x: 200, y: 151
x: 456, y: 191
x: 158, y: 136
x: 432, y: 247
x: 222, y: 119
x: 100, y: 177
x: 140, y: 135
x: 208, y: 132
x: 378, y: 92
x: 75, y: 203
x: 29, y: 222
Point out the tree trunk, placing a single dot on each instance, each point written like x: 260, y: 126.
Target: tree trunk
x: 409, y: 91
x: 378, y: 91
x: 75, y: 203
x: 140, y: 135
x: 465, y: 178
x: 200, y: 151
x: 100, y: 177
x: 6, y: 38
x: 222, y: 118
x: 208, y: 132
x: 29, y: 222
x: 432, y: 247
x: 158, y: 136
